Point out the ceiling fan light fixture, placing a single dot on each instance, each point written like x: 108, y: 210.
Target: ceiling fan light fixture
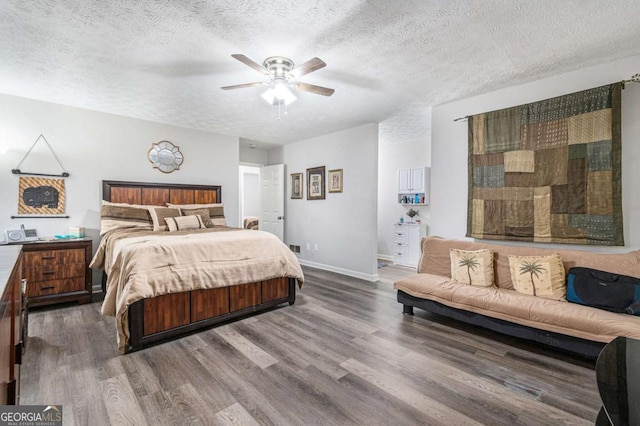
x: 278, y: 95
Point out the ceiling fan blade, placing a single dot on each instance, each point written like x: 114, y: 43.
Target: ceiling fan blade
x: 256, y: 66
x: 310, y: 66
x: 242, y: 86
x: 319, y: 90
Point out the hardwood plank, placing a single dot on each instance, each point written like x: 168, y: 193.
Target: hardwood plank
x: 209, y: 303
x: 181, y: 196
x: 205, y: 197
x: 126, y: 195
x: 234, y: 415
x: 275, y: 288
x: 154, y: 196
x: 166, y: 312
x: 344, y: 354
x: 438, y: 412
x: 120, y: 401
x: 244, y: 295
x: 256, y: 403
x: 261, y: 358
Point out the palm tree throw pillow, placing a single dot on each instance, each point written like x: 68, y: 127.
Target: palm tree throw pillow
x: 541, y: 276
x: 472, y: 267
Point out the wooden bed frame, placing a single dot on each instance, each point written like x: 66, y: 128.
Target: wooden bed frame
x: 162, y: 317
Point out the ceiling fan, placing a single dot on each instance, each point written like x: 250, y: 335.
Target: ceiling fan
x: 282, y: 76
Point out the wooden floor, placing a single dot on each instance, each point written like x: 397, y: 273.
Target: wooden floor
x: 343, y: 354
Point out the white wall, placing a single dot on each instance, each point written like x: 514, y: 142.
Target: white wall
x: 391, y: 158
x: 343, y: 225
x: 449, y: 144
x: 94, y: 146
x: 253, y: 156
x: 250, y: 184
x: 404, y: 143
x: 275, y: 156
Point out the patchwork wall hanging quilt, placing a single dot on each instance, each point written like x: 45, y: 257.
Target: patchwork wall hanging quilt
x: 548, y: 171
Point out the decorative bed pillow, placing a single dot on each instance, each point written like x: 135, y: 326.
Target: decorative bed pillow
x: 251, y: 223
x: 159, y: 214
x: 204, y: 215
x: 472, y: 267
x: 539, y: 276
x: 184, y: 223
x: 216, y: 211
x: 120, y: 215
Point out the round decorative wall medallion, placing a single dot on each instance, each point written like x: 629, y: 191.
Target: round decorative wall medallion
x: 165, y: 156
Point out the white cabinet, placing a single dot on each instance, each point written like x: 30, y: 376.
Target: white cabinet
x: 412, y: 182
x: 404, y: 181
x: 406, y: 249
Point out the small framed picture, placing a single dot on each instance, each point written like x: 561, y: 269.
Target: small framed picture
x: 335, y: 180
x: 296, y: 185
x: 315, y: 183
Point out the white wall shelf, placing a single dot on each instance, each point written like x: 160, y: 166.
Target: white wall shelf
x: 412, y: 183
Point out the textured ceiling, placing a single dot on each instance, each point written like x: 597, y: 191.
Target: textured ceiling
x: 165, y: 61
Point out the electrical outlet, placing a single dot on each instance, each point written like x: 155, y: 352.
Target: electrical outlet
x: 315, y: 247
x: 292, y: 248
x: 308, y: 246
x: 296, y: 249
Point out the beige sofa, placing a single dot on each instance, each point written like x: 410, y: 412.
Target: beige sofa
x: 569, y: 326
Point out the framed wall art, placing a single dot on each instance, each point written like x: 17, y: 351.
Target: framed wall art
x: 315, y: 183
x: 296, y: 186
x: 335, y: 180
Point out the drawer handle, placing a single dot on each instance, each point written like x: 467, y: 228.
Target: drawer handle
x: 399, y: 233
x: 48, y: 257
x: 48, y: 272
x: 47, y: 288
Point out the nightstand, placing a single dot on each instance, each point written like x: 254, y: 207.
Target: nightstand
x: 57, y: 271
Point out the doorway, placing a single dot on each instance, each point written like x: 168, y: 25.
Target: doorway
x: 249, y: 194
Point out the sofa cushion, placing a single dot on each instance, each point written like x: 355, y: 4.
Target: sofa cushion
x: 541, y: 276
x: 473, y: 267
x: 435, y: 258
x: 566, y: 318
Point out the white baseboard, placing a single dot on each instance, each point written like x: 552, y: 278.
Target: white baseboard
x: 386, y: 257
x: 348, y: 272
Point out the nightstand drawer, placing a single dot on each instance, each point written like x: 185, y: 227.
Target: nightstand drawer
x: 44, y: 288
x: 57, y: 271
x: 53, y: 257
x: 54, y: 272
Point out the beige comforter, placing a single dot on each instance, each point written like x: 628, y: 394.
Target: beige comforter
x: 141, y: 264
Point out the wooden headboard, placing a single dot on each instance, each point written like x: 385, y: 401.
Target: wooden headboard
x: 159, y: 194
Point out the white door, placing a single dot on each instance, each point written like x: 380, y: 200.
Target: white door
x: 272, y: 200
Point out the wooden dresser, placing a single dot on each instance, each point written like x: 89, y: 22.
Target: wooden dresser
x: 57, y: 271
x: 12, y: 319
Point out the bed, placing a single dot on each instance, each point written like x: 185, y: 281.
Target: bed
x: 160, y: 284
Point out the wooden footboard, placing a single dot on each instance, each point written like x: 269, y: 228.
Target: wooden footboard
x: 169, y: 315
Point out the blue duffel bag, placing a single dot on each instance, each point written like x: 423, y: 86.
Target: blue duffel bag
x: 604, y: 290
